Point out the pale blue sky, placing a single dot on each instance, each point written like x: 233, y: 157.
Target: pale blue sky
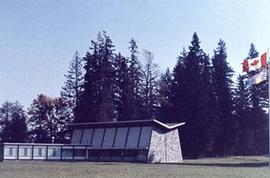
x: 39, y: 37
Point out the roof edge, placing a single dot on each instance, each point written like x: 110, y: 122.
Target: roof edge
x: 133, y: 122
x: 167, y: 126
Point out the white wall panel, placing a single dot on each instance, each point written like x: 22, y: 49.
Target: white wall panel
x: 133, y: 137
x: 87, y: 135
x: 109, y: 137
x: 54, y: 152
x: 145, y: 137
x: 10, y: 152
x: 39, y: 152
x: 120, y: 137
x: 76, y: 136
x: 97, y: 138
x: 25, y: 152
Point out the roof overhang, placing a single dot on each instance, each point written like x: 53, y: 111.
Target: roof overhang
x: 154, y: 122
x: 169, y: 126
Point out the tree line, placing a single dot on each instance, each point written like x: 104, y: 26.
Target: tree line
x: 223, y: 117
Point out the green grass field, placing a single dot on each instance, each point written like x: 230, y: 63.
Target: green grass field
x: 233, y: 167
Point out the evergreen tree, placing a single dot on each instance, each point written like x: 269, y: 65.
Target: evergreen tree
x: 243, y: 114
x: 222, y: 74
x: 178, y: 88
x: 5, y: 113
x: 207, y: 108
x: 193, y: 100
x: 135, y: 76
x: 97, y: 100
x: 128, y: 76
x: 13, y: 123
x: 88, y: 101
x: 135, y: 67
x: 73, y: 86
x: 165, y: 86
x: 123, y: 90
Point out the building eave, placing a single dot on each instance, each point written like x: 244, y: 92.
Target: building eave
x: 127, y: 124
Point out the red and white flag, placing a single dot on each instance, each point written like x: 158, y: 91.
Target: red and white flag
x: 255, y: 63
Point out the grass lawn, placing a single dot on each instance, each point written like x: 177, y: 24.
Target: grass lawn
x: 233, y: 167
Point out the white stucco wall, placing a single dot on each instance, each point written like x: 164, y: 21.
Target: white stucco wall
x: 165, y: 147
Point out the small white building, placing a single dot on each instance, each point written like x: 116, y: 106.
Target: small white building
x: 148, y: 141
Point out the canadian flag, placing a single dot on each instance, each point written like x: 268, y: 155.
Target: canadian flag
x: 255, y: 63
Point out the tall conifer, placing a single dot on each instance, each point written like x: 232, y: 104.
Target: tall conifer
x: 73, y: 86
x: 222, y: 82
x: 97, y: 100
x: 243, y: 114
x: 165, y: 87
x: 193, y: 101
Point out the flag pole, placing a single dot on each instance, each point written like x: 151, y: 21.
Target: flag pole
x: 268, y: 71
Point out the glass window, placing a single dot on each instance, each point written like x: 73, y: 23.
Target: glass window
x: 130, y: 155
x: 120, y: 138
x: 10, y: 151
x: 67, y: 152
x: 24, y: 151
x: 117, y: 155
x: 53, y: 151
x: 93, y: 155
x: 141, y: 155
x: 87, y: 135
x: 104, y: 155
x: 39, y: 151
x: 97, y: 137
x: 145, y: 137
x: 133, y: 137
x: 80, y: 152
x: 76, y: 136
x: 109, y: 138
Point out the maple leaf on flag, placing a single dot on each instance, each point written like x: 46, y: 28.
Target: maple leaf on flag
x: 254, y: 63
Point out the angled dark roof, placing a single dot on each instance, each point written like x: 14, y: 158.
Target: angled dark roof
x: 154, y: 122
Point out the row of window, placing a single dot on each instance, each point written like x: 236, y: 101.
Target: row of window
x: 24, y: 151
x: 82, y: 153
x: 121, y: 137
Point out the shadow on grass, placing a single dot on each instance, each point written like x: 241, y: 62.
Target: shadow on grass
x: 259, y: 164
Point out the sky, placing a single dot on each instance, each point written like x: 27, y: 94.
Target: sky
x: 38, y: 38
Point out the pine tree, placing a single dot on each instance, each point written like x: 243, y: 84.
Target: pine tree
x: 165, y: 87
x: 88, y: 101
x: 222, y: 81
x: 207, y: 108
x: 73, y: 86
x: 135, y: 76
x: 243, y: 114
x: 193, y: 100
x: 13, y: 123
x: 97, y: 100
x: 123, y: 90
x: 178, y: 88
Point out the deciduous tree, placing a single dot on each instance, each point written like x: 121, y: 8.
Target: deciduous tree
x: 47, y: 119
